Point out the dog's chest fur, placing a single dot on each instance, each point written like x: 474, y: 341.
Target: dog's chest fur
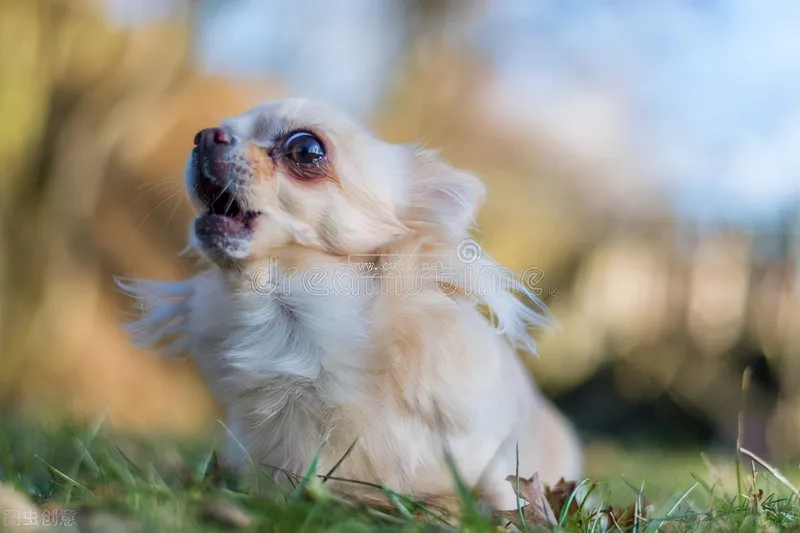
x: 332, y: 365
x: 287, y: 361
x: 283, y: 329
x: 297, y: 369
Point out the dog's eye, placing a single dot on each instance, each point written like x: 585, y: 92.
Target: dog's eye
x: 304, y: 149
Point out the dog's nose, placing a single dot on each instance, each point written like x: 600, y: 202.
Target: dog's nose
x: 212, y: 147
x: 210, y: 138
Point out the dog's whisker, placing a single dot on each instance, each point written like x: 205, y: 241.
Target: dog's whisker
x: 155, y: 183
x: 221, y: 193
x: 172, y: 214
x: 231, y: 199
x: 152, y: 187
x: 162, y: 202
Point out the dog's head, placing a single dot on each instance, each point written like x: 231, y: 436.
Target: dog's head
x: 297, y: 172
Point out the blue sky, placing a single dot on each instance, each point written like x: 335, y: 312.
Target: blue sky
x: 711, y: 89
x: 707, y: 93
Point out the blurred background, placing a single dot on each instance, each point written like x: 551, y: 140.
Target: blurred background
x: 644, y: 155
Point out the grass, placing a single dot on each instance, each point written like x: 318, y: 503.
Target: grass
x: 118, y: 483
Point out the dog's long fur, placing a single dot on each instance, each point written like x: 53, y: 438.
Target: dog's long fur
x: 404, y: 366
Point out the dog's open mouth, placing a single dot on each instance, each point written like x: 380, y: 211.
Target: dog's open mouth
x: 221, y: 200
x: 218, y: 199
x: 227, y: 225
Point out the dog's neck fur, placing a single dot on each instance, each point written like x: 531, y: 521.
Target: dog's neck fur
x: 290, y: 288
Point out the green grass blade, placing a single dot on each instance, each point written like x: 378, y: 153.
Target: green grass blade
x: 565, y: 511
x: 64, y: 476
x: 310, y: 471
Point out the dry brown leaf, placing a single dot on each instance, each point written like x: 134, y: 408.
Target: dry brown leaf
x: 534, y: 505
x: 624, y: 518
x: 755, y: 499
x: 560, y: 494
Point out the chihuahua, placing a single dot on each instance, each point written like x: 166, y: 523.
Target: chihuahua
x: 345, y: 320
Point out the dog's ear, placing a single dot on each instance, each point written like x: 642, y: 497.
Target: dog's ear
x: 443, y: 195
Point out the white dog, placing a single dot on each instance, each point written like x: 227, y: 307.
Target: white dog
x: 340, y: 315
